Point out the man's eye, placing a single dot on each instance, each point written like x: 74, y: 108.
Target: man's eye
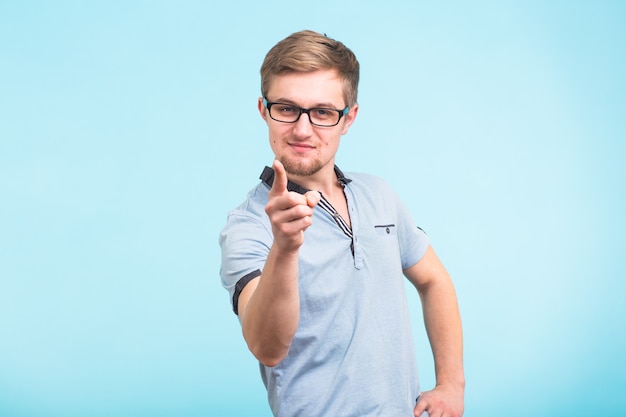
x: 324, y: 114
x: 287, y: 109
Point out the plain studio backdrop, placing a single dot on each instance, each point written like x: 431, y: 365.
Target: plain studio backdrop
x: 128, y: 129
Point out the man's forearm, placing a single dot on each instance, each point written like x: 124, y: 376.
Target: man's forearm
x: 271, y: 314
x: 443, y: 326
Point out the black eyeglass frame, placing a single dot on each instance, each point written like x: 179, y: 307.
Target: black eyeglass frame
x: 268, y: 106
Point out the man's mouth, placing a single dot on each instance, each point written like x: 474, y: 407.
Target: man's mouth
x: 301, y: 147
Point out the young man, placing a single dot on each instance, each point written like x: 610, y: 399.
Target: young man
x: 315, y: 259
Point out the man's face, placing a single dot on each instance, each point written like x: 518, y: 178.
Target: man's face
x: 305, y: 149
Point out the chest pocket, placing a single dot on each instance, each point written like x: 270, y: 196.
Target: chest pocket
x: 385, y: 229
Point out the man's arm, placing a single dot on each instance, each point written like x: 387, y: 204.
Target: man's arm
x: 269, y: 306
x: 443, y: 326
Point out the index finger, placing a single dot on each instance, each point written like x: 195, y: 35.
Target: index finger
x: 280, y: 178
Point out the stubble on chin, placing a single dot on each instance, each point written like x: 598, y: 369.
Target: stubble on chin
x: 300, y: 169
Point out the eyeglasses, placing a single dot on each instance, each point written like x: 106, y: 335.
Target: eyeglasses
x: 319, y: 116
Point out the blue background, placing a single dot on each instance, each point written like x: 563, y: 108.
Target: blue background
x: 128, y: 129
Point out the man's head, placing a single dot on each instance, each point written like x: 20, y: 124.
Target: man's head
x: 309, y: 51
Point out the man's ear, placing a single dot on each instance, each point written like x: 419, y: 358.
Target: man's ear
x: 262, y: 109
x: 349, y: 118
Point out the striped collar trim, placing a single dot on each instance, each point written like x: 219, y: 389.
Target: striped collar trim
x: 267, y: 176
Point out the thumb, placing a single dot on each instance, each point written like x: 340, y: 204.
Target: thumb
x: 313, y: 198
x: 420, y: 407
x: 280, y: 178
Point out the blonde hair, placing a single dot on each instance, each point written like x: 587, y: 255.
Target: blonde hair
x: 307, y: 51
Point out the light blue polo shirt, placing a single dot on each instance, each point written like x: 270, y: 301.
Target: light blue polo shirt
x: 353, y: 353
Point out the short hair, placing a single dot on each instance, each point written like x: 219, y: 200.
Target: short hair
x: 308, y: 51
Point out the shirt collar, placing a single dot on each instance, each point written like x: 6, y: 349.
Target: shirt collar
x: 267, y: 177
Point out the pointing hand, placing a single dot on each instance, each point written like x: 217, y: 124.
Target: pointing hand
x: 290, y: 213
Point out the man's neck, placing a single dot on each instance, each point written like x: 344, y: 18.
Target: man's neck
x: 324, y: 181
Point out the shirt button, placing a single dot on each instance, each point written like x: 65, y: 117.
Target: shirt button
x: 388, y: 231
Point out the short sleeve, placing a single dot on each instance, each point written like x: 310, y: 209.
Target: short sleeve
x: 245, y: 242
x: 413, y: 241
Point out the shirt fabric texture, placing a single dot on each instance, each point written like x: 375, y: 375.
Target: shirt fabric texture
x: 353, y: 352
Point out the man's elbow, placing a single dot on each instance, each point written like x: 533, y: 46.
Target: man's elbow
x: 269, y: 347
x: 268, y: 353
x: 268, y: 358
x: 270, y: 362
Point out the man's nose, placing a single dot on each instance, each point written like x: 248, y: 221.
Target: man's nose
x: 303, y: 125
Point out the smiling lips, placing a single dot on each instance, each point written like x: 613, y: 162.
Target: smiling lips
x: 301, y: 147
